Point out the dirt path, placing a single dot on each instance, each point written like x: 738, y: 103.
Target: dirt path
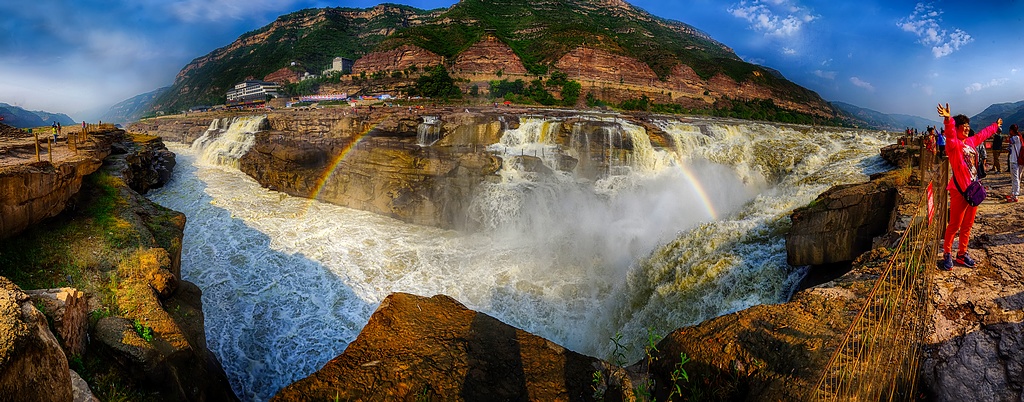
x: 20, y: 149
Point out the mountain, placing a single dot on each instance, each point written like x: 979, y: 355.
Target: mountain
x: 1011, y: 113
x: 15, y: 116
x: 312, y: 37
x: 621, y: 52
x: 132, y: 109
x: 891, y: 122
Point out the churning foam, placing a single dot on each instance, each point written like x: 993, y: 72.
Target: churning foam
x: 288, y: 283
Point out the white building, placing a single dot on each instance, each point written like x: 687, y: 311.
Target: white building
x: 249, y: 91
x: 340, y: 64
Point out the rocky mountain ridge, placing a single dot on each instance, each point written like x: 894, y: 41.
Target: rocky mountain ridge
x: 634, y: 53
x: 18, y: 117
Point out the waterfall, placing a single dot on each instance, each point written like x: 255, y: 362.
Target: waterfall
x: 670, y: 237
x: 429, y: 131
x: 227, y: 140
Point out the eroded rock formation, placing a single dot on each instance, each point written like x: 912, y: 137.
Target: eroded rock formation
x: 841, y: 223
x: 397, y: 59
x: 35, y: 191
x: 437, y: 349
x: 585, y: 63
x: 32, y: 365
x: 490, y: 55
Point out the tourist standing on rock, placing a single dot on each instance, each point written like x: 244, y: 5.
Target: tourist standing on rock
x: 54, y: 128
x: 997, y: 148
x: 1014, y: 162
x: 963, y: 158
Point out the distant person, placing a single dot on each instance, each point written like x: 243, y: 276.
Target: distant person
x: 997, y: 148
x: 963, y: 157
x: 929, y: 140
x: 940, y: 141
x: 982, y: 156
x: 54, y: 128
x: 1014, y: 162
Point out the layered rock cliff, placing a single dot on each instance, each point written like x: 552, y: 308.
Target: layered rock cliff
x: 146, y: 331
x: 398, y: 59
x: 36, y: 191
x: 489, y: 56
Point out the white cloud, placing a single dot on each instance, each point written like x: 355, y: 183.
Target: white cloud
x: 781, y: 18
x: 927, y: 90
x: 1014, y: 70
x: 788, y: 51
x: 977, y: 86
x: 217, y: 10
x: 926, y: 23
x: 828, y: 75
x: 863, y: 84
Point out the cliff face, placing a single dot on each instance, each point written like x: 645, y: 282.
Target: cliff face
x: 124, y: 253
x: 383, y: 171
x: 35, y: 191
x: 396, y: 60
x: 841, y: 224
x: 490, y: 55
x: 598, y: 65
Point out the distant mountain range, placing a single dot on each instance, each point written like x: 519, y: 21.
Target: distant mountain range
x: 132, y: 109
x: 1011, y: 113
x: 15, y: 116
x: 868, y: 118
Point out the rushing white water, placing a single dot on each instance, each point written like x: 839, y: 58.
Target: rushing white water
x: 667, y: 238
x: 429, y: 131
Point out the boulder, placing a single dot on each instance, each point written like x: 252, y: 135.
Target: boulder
x: 436, y: 349
x: 80, y: 389
x: 68, y: 311
x: 841, y: 223
x: 32, y: 365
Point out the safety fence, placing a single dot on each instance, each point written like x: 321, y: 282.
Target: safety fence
x: 879, y: 356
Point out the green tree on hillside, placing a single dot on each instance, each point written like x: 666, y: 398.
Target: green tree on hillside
x: 436, y: 83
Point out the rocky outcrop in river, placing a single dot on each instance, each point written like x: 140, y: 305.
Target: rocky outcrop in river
x: 436, y: 349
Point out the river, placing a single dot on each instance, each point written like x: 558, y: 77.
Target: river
x: 668, y: 238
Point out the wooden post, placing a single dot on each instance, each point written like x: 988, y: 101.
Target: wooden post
x: 35, y: 135
x: 49, y: 149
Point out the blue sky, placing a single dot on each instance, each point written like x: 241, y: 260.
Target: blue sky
x: 892, y: 56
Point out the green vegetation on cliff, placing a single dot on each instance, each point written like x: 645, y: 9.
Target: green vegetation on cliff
x: 539, y: 32
x: 311, y: 37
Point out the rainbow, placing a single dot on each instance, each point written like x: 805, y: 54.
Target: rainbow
x: 698, y: 189
x: 314, y: 195
x: 331, y: 167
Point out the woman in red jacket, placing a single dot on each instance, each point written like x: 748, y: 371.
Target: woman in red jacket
x: 963, y: 159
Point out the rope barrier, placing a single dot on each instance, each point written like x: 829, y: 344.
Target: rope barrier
x: 880, y: 353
